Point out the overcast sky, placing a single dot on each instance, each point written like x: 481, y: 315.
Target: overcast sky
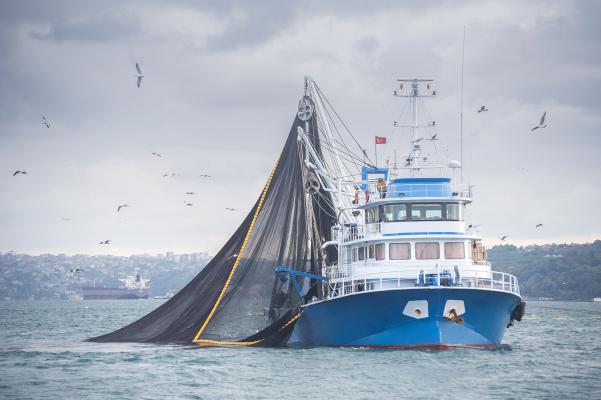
x: 222, y: 81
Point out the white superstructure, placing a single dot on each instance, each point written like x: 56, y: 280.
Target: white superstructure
x: 403, y: 224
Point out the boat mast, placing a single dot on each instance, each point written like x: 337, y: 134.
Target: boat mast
x: 414, y: 133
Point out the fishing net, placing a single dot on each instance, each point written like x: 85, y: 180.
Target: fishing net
x: 237, y: 298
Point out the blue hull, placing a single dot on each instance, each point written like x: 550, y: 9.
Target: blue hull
x: 402, y: 318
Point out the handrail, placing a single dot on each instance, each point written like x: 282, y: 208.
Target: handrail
x: 342, y: 283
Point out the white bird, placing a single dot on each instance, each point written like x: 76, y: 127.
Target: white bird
x: 156, y: 154
x: 541, y: 124
x: 204, y: 176
x: 140, y: 75
x: 19, y: 172
x: 230, y: 209
x: 169, y: 175
x: 482, y: 108
x: 188, y: 204
x: 45, y: 122
x: 122, y: 206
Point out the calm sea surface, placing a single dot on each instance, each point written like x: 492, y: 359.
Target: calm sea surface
x: 554, y: 353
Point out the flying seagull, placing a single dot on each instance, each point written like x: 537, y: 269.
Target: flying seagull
x: 66, y: 219
x: 482, y: 109
x: 19, y: 172
x: 45, y: 121
x: 503, y: 237
x: 188, y: 204
x: 539, y: 225
x: 190, y: 193
x: 230, y: 209
x: 204, y: 176
x: 541, y: 124
x: 156, y: 154
x: 122, y: 206
x: 139, y: 76
x: 76, y: 270
x: 434, y: 137
x: 105, y: 242
x: 470, y: 226
x: 169, y: 175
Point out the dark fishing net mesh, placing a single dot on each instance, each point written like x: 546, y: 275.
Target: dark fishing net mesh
x: 258, y: 306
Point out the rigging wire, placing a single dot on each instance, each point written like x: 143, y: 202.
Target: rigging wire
x: 342, y: 122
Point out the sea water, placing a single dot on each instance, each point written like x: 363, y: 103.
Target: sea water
x: 554, y: 353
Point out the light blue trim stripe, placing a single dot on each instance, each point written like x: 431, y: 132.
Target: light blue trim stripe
x: 422, y: 233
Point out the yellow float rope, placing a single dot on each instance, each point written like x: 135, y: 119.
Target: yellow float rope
x: 234, y: 267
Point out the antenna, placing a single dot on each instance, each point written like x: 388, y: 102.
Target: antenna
x: 461, y: 107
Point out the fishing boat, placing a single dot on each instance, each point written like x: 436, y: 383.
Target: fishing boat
x: 339, y: 250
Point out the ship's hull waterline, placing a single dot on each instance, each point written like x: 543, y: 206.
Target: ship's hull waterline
x: 408, y: 318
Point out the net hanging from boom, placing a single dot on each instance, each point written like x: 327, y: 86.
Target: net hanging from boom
x: 237, y: 298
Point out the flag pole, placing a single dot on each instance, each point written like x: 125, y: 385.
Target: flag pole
x: 376, y: 150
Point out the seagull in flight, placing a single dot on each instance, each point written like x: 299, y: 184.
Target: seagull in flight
x: 541, y: 124
x: 156, y: 154
x: 204, y: 176
x: 503, y: 238
x: 482, y: 109
x: 230, y: 209
x: 539, y: 225
x: 475, y: 226
x: 76, y: 270
x: 19, y: 172
x: 190, y: 193
x: 45, y: 121
x: 106, y: 242
x: 169, y: 175
x: 66, y: 219
x: 139, y: 76
x: 122, y: 206
x: 188, y: 203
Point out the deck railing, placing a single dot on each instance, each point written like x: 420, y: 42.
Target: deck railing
x: 341, y: 284
x: 415, y: 190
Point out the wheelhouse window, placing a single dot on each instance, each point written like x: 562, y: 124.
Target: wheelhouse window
x: 454, y: 211
x: 361, y: 252
x: 427, y: 250
x: 426, y: 212
x: 394, y: 212
x: 399, y: 251
x: 371, y: 215
x: 380, y: 251
x: 454, y: 250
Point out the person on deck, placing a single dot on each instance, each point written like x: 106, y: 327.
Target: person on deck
x: 381, y: 185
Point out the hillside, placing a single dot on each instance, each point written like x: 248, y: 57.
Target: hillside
x: 557, y: 271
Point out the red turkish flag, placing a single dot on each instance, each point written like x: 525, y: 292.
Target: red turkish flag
x: 380, y: 140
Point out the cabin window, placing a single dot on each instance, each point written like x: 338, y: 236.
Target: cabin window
x: 371, y: 215
x: 454, y: 250
x: 399, y: 251
x: 355, y: 254
x: 454, y: 212
x: 394, y: 212
x: 427, y: 250
x: 371, y: 252
x: 361, y: 252
x: 426, y: 212
x: 380, y: 251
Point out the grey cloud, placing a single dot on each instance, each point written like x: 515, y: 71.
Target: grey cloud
x: 103, y: 28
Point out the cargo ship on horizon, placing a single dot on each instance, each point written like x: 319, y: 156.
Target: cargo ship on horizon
x: 136, y: 287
